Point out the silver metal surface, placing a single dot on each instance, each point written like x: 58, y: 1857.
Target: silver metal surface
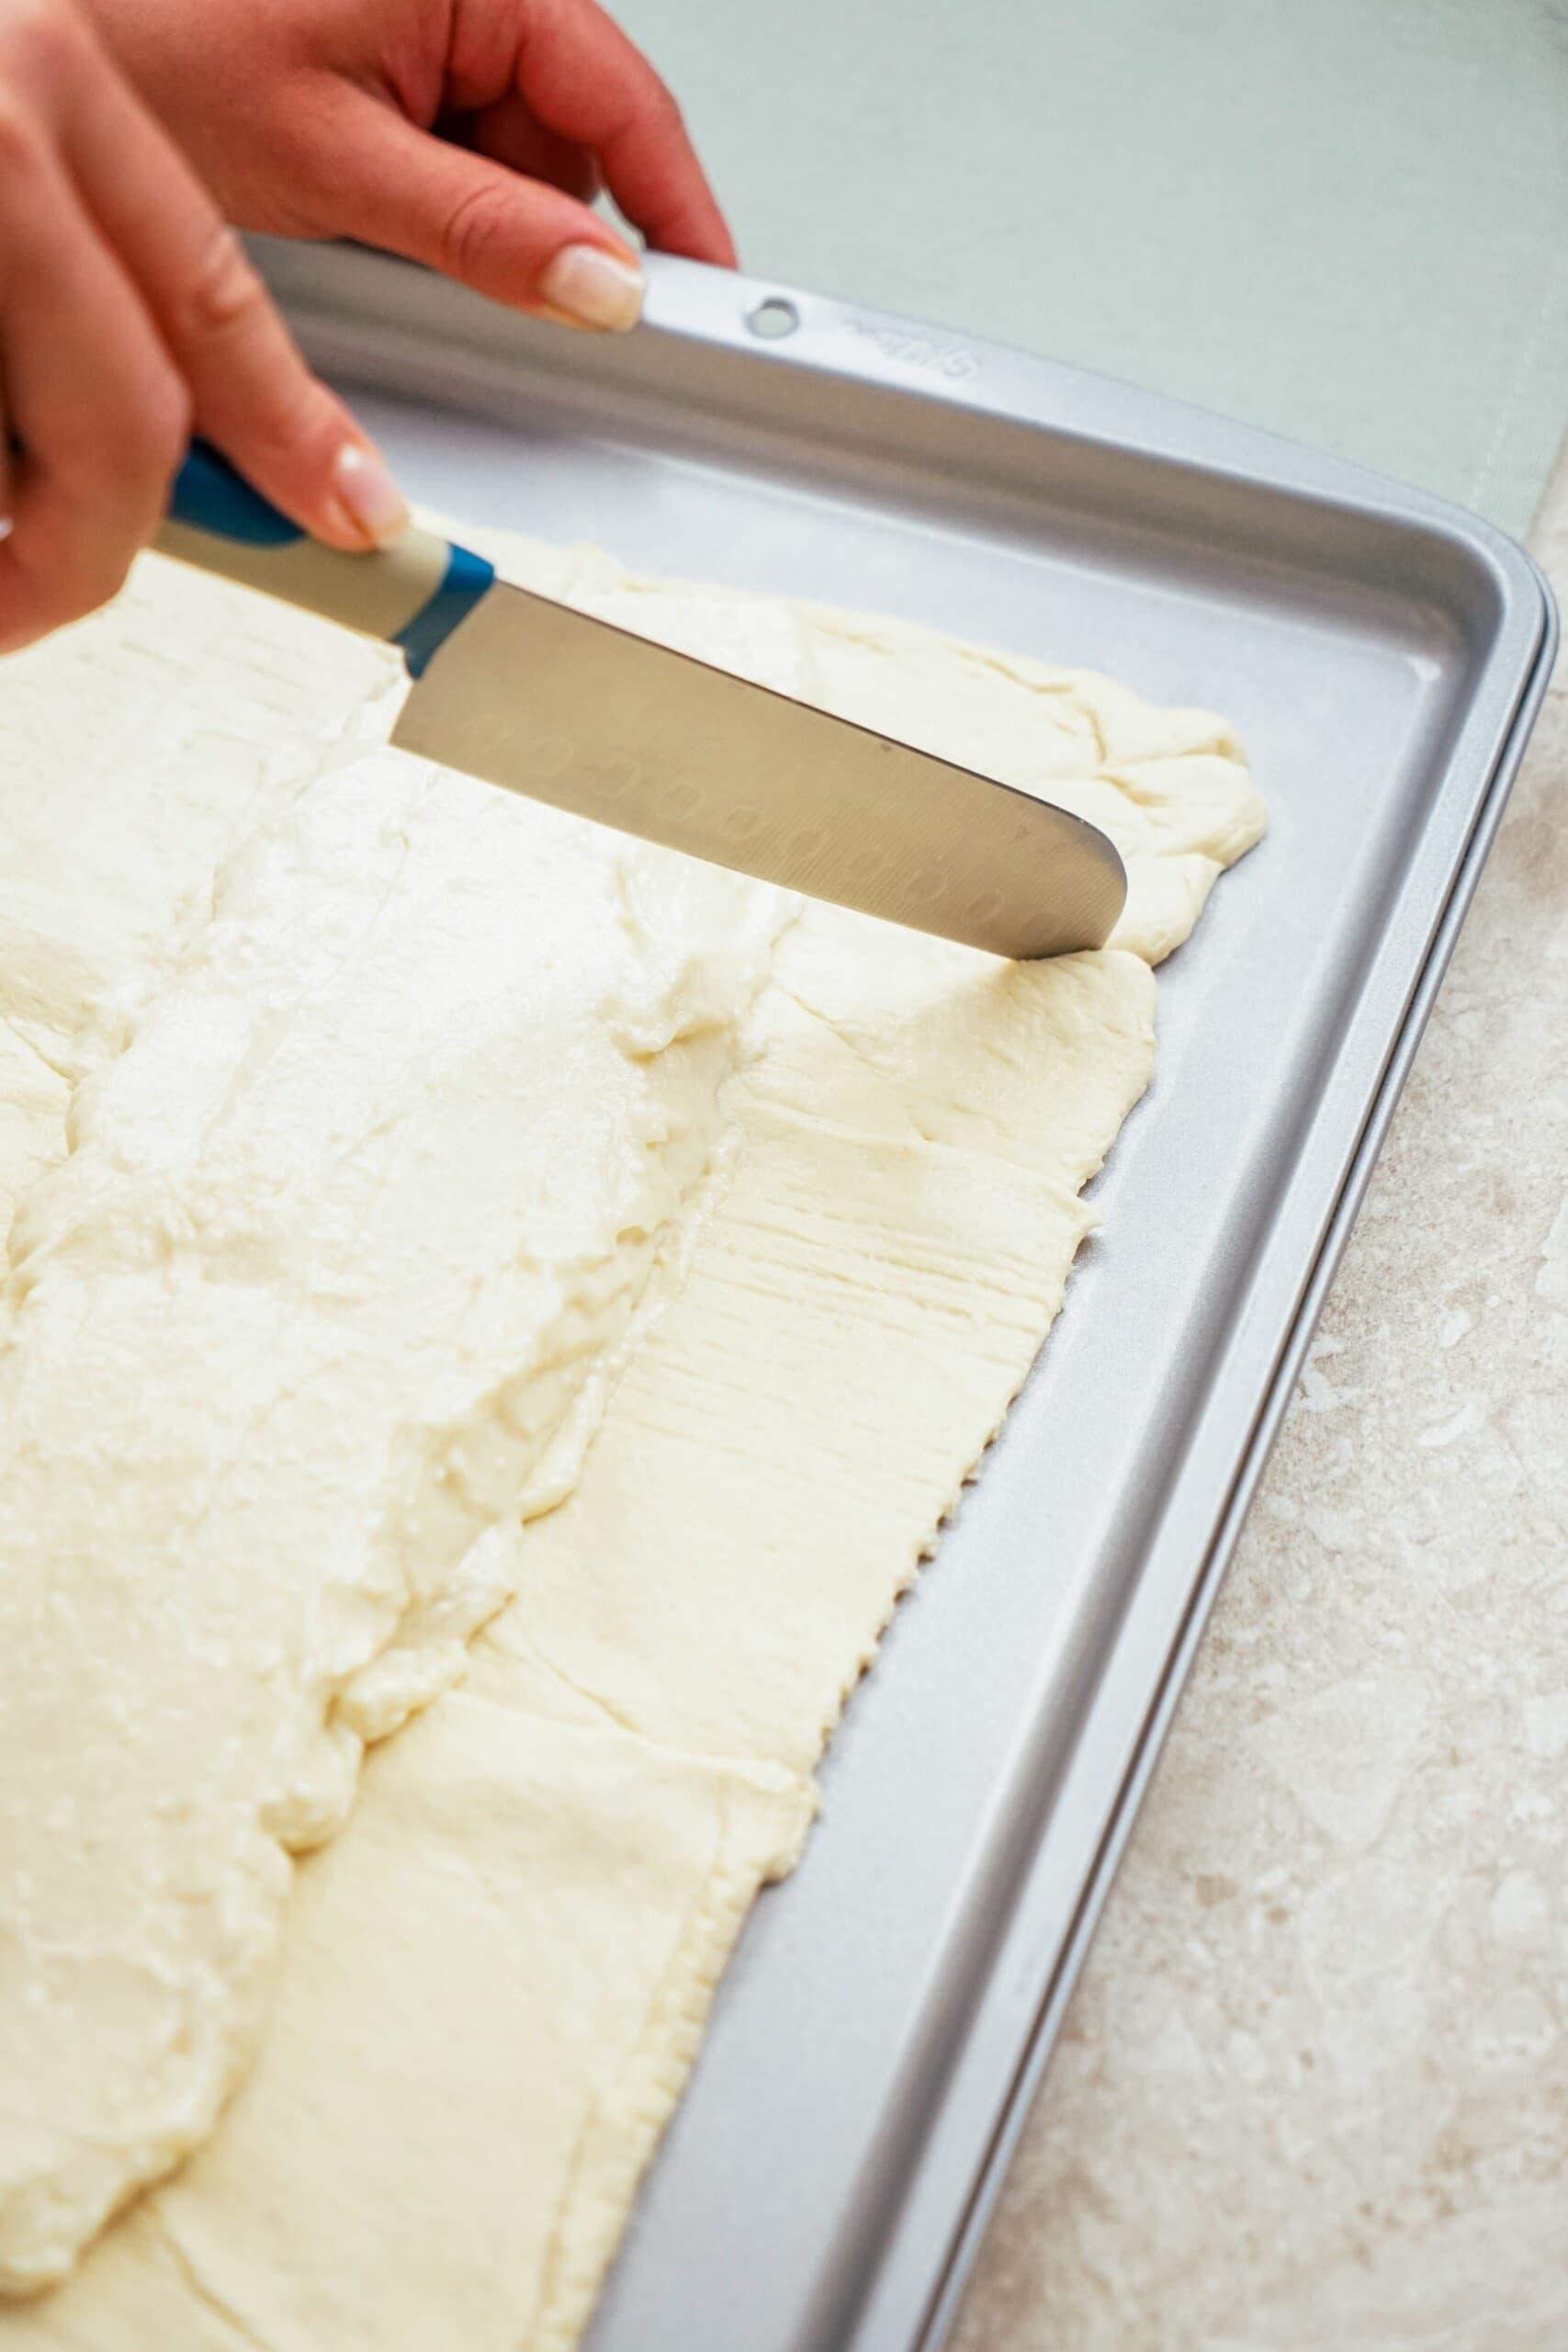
x: 888, y: 2008
x: 553, y: 703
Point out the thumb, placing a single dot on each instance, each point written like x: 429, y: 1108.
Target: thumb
x: 518, y: 240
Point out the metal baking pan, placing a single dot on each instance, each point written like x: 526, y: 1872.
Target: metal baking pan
x: 889, y: 2009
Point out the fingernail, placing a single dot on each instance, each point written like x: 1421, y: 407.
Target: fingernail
x: 594, y: 288
x: 370, y: 497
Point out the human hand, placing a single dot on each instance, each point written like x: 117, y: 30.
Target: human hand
x: 468, y: 134
x: 128, y: 313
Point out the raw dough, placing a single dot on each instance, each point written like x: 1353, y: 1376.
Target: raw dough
x: 864, y: 1298
x: 323, y: 1299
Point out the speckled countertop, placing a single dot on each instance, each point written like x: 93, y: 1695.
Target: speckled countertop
x: 1313, y: 2090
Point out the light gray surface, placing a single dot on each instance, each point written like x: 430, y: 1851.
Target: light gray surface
x: 1344, y: 220
x: 1373, y: 654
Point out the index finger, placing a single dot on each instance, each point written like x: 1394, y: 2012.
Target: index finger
x: 252, y: 392
x: 585, y: 80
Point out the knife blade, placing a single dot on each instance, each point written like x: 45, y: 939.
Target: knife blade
x: 565, y: 707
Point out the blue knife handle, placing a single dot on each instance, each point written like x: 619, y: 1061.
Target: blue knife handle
x: 411, y: 596
x: 210, y: 496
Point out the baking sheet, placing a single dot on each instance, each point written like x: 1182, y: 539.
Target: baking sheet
x: 889, y: 2006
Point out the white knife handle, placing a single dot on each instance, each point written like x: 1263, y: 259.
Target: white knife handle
x: 412, y: 594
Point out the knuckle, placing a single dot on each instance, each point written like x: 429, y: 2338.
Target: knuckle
x: 225, y: 291
x: 476, y: 231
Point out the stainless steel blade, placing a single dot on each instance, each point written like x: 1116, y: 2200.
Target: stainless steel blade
x: 569, y: 709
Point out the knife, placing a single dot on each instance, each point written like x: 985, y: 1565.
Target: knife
x: 547, y: 701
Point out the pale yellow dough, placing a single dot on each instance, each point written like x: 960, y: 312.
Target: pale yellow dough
x: 372, y: 1155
